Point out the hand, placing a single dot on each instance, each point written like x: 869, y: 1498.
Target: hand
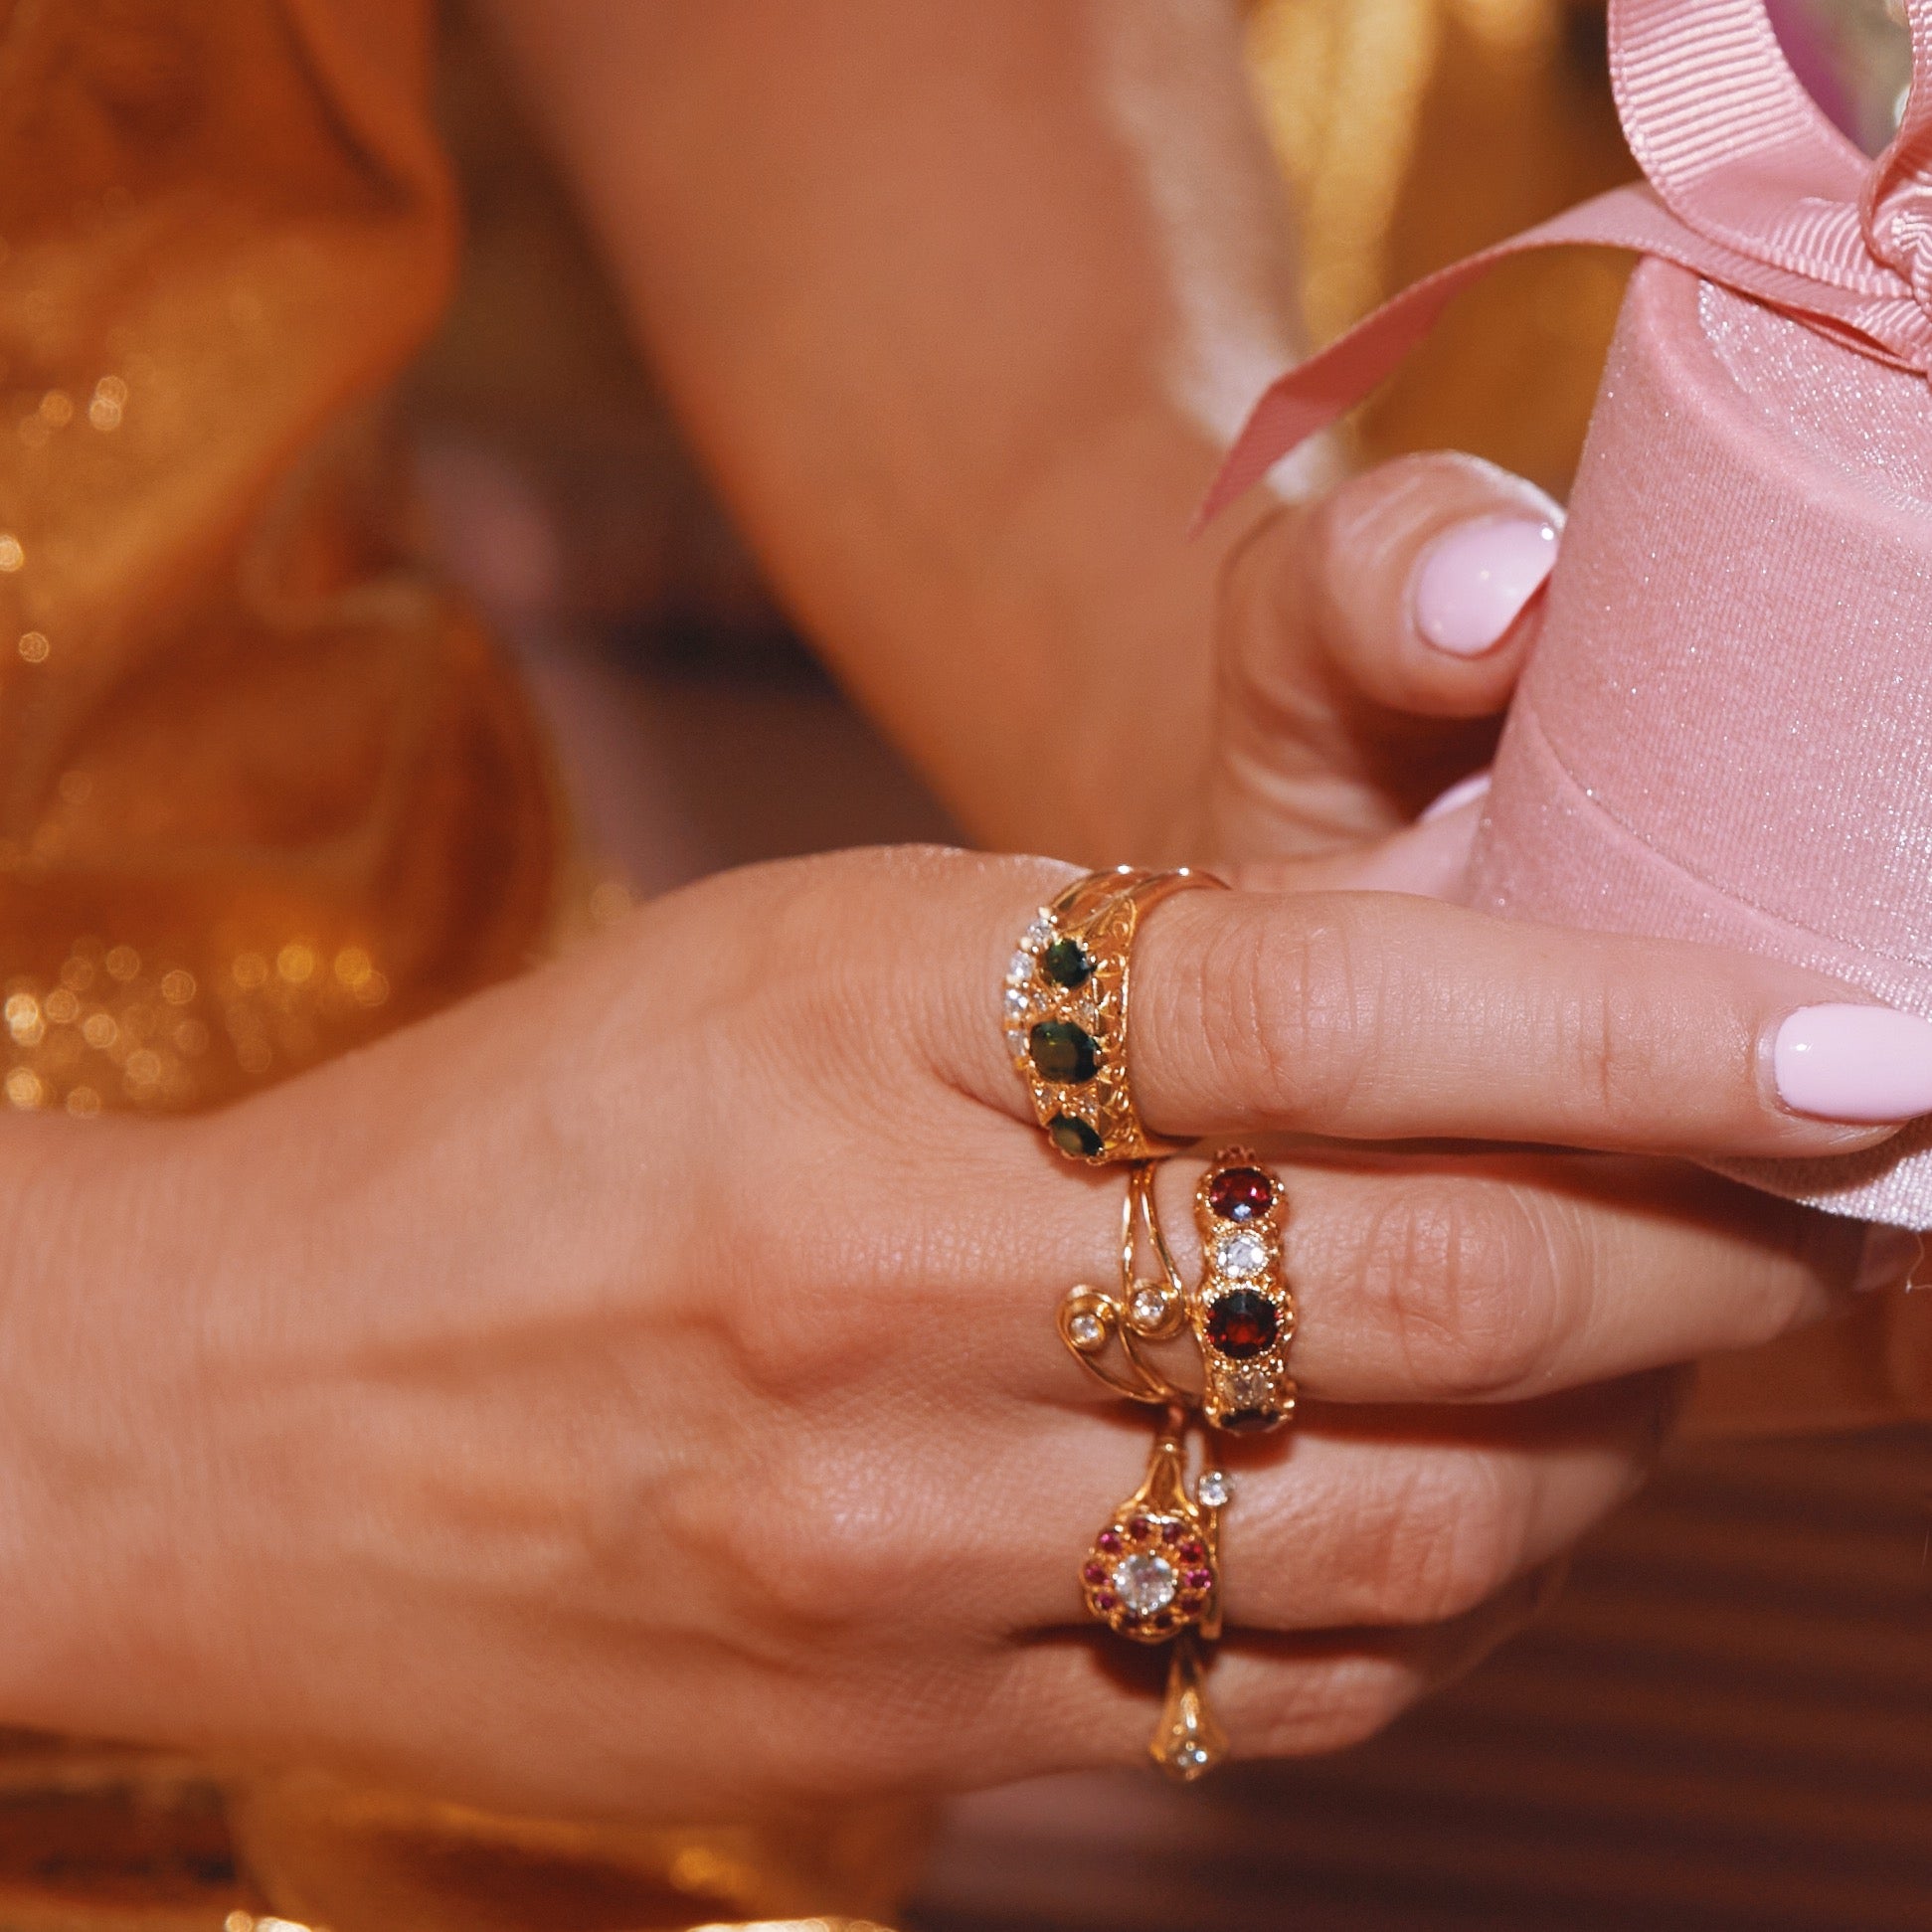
x: 1368, y: 642
x: 636, y: 1390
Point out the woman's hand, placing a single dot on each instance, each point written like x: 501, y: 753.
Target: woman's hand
x: 637, y: 1390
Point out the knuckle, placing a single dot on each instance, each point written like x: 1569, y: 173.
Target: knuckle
x: 1455, y: 1533
x: 805, y: 1573
x: 1297, y: 996
x: 1330, y: 1706
x: 1467, y: 1279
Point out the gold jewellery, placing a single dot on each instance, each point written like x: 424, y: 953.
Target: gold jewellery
x: 1066, y: 1009
x: 1153, y: 1574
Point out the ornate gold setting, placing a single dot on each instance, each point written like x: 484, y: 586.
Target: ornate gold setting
x: 1243, y: 1310
x: 1155, y: 1569
x: 1066, y: 1012
x: 1144, y: 1309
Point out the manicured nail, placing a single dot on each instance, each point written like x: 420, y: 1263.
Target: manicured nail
x: 1890, y: 1257
x: 1464, y: 792
x: 1865, y: 1065
x: 1475, y: 579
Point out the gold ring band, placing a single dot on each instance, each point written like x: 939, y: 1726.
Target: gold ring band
x: 1066, y: 1011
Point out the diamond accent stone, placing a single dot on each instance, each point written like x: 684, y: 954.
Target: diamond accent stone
x: 1241, y: 1253
x: 1149, y: 1306
x: 1145, y: 1583
x: 1215, y: 1489
x: 1040, y: 932
x: 1019, y: 968
x: 1018, y: 1004
x: 1249, y: 1388
x: 1086, y: 1331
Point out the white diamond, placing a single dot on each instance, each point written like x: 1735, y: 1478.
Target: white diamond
x: 1019, y: 1005
x: 1144, y: 1583
x: 1016, y: 1045
x: 1149, y: 1306
x: 1019, y: 969
x: 1040, y: 934
x: 1241, y: 1253
x: 1086, y: 1331
x: 1214, y: 1488
x: 1249, y: 1388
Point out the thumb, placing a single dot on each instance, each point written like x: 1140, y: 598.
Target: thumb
x: 1366, y: 644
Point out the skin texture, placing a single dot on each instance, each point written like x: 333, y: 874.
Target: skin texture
x: 635, y: 1391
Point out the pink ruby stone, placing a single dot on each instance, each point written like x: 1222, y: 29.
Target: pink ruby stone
x: 1103, y: 1601
x: 1198, y: 1579
x: 1094, y: 1573
x: 1190, y: 1601
x: 1192, y: 1552
x: 1241, y: 1193
x: 1138, y: 1527
x: 1108, y: 1539
x: 1170, y: 1532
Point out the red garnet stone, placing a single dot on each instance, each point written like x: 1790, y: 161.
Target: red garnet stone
x: 1241, y: 1193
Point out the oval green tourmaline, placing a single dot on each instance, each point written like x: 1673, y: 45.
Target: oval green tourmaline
x: 1062, y: 1052
x: 1072, y: 1136
x: 1067, y: 963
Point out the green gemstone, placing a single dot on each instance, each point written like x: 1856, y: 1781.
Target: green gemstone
x: 1067, y: 963
x: 1062, y: 1052
x: 1073, y: 1137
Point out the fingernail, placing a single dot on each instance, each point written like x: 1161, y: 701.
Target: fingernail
x: 1890, y: 1256
x: 1865, y: 1065
x: 1475, y: 579
x: 1463, y: 793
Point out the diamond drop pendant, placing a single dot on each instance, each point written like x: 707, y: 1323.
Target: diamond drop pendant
x: 1187, y: 1742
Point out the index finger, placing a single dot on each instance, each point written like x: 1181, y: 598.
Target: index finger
x: 1382, y: 1016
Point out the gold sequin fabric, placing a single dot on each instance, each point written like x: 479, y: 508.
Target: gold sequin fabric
x: 265, y: 790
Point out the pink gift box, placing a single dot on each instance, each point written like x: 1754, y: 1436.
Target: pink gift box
x: 1725, y: 733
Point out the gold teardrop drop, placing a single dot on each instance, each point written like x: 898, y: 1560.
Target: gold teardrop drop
x: 1187, y: 1743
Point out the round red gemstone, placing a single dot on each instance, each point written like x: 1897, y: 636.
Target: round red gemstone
x: 1189, y: 1602
x: 1138, y: 1527
x: 1170, y: 1532
x: 1241, y: 1193
x: 1161, y: 1619
x: 1096, y: 1572
x: 1108, y: 1539
x: 1198, y: 1579
x: 1103, y: 1601
x: 1243, y: 1323
x: 1192, y: 1552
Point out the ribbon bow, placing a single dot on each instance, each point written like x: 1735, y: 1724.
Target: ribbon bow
x: 1746, y: 183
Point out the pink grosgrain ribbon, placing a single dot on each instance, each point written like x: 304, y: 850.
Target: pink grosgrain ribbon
x: 1746, y: 183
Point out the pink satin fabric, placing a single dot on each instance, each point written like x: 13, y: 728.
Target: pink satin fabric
x: 1726, y: 731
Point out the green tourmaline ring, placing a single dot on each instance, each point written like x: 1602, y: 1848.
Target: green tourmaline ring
x: 1066, y: 1012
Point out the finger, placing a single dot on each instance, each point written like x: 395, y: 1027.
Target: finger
x: 1410, y: 593
x: 1430, y: 857
x: 1081, y: 1701
x: 1497, y: 1277
x: 1382, y: 1016
x: 1368, y: 1517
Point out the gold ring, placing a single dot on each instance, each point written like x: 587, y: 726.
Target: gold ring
x: 1066, y: 1009
x: 1143, y: 1308
x: 1242, y: 1308
x: 1154, y: 1575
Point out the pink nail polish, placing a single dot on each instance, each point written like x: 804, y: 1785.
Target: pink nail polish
x: 1463, y: 793
x: 1476, y: 577
x: 1865, y: 1065
x: 1891, y: 1255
